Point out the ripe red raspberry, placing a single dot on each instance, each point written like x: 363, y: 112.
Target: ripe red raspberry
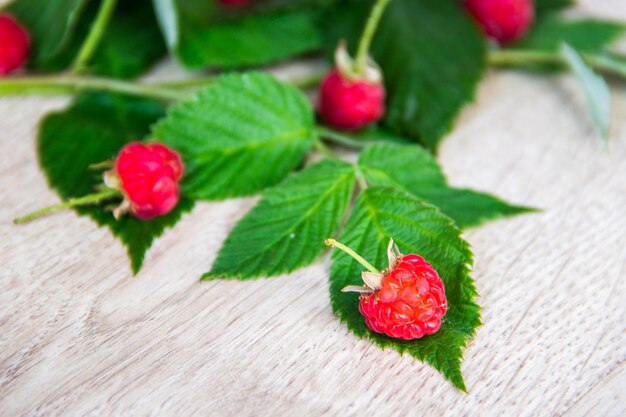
x: 148, y: 176
x: 351, y: 101
x: 406, y: 301
x: 502, y: 20
x: 14, y: 44
x: 410, y: 302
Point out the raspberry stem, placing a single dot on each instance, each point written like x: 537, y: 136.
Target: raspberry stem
x: 368, y: 35
x: 323, y: 149
x: 340, y: 138
x: 333, y: 243
x: 72, y: 84
x: 520, y: 58
x: 60, y: 85
x: 98, y: 27
x: 72, y: 202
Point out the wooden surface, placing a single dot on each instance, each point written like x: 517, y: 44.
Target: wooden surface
x: 80, y: 336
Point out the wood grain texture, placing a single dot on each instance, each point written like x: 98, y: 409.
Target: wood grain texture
x: 80, y: 336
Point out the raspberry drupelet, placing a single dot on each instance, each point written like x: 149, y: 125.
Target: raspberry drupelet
x: 407, y: 301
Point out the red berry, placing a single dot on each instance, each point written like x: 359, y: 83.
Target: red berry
x: 350, y: 105
x: 14, y: 44
x: 502, y: 20
x: 406, y: 301
x: 148, y: 176
x: 410, y: 303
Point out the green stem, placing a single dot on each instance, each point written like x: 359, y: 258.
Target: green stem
x: 307, y: 81
x: 187, y: 83
x: 353, y: 254
x: 339, y: 138
x: 72, y: 84
x: 513, y: 58
x: 323, y: 149
x: 98, y: 27
x: 606, y: 64
x: 63, y: 85
x: 72, y: 202
x: 368, y: 35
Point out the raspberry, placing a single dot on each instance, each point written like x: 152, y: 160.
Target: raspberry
x: 351, y: 101
x: 410, y: 302
x: 502, y: 20
x: 407, y: 301
x: 14, y: 44
x: 148, y: 176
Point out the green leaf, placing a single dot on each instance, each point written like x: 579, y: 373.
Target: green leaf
x: 254, y: 40
x: 240, y: 135
x: 123, y: 52
x: 93, y: 130
x: 287, y: 228
x: 584, y: 35
x: 432, y: 56
x: 132, y: 42
x: 51, y: 24
x: 411, y: 168
x: 383, y: 213
x: 204, y: 35
x: 548, y: 6
x: 596, y: 90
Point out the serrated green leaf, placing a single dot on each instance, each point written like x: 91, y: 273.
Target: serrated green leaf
x: 238, y: 136
x: 205, y: 35
x: 411, y: 168
x: 287, y: 228
x: 381, y: 213
x: 432, y: 56
x: 596, y: 90
x: 584, y: 35
x: 51, y: 24
x: 93, y: 130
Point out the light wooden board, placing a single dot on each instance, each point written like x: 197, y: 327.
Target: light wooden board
x: 80, y: 336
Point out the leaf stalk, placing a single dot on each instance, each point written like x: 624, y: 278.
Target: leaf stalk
x: 72, y: 84
x: 334, y: 243
x: 368, y: 35
x: 515, y: 58
x: 96, y: 32
x: 72, y: 202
